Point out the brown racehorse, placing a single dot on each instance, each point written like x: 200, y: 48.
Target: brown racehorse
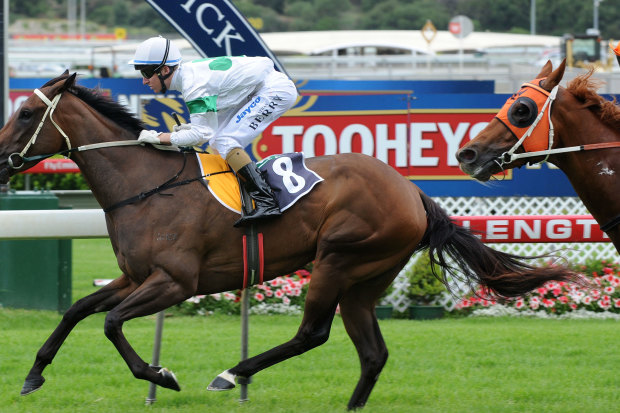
x: 359, y: 226
x: 581, y: 137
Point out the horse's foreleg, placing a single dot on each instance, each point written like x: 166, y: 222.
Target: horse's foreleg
x: 102, y: 300
x: 157, y: 293
x: 321, y: 303
x: 360, y: 321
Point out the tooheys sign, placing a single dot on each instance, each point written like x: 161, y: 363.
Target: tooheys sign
x: 419, y: 145
x: 214, y: 28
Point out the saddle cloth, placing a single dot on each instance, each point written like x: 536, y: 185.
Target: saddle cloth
x: 287, y: 174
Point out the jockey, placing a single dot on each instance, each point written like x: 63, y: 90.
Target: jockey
x: 231, y: 100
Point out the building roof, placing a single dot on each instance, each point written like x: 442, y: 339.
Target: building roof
x: 410, y: 41
x: 311, y: 43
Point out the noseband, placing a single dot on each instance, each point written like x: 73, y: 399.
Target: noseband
x: 51, y: 106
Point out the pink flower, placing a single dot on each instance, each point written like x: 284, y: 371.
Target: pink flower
x: 604, y: 304
x: 548, y: 303
x: 279, y: 294
x: 541, y: 291
x: 609, y: 290
x: 587, y: 300
x: 520, y: 304
x: 617, y: 303
x: 595, y: 294
x: 608, y: 270
x: 259, y: 297
x: 563, y: 299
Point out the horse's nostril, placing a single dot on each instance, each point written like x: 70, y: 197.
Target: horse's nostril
x: 466, y: 155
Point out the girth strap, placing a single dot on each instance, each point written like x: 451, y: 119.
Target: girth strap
x: 611, y: 224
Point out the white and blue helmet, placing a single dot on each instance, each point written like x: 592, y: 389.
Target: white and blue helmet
x: 157, y: 51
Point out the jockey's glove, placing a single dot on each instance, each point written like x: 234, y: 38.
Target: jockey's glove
x: 149, y: 136
x: 183, y: 126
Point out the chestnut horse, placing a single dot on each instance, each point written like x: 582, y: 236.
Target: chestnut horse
x: 577, y: 130
x: 359, y: 226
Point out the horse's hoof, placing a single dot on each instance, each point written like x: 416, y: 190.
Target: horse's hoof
x: 224, y: 381
x: 32, y: 385
x: 169, y: 380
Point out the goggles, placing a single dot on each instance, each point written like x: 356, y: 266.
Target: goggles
x: 148, y: 72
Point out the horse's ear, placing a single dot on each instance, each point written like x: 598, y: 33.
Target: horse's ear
x: 65, y: 73
x: 69, y: 82
x: 554, y: 78
x: 546, y: 69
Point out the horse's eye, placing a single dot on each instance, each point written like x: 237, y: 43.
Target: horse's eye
x: 25, y: 114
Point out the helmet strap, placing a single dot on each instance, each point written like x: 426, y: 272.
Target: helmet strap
x: 163, y: 60
x: 161, y: 78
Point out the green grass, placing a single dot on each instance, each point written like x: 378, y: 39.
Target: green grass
x: 92, y: 258
x: 450, y: 365
x: 472, y: 365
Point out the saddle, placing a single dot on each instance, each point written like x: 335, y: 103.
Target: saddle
x: 288, y: 177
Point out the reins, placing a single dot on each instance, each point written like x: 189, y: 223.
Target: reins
x: 51, y: 106
x: 166, y: 185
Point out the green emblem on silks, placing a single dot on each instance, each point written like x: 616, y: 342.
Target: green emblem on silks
x: 267, y: 159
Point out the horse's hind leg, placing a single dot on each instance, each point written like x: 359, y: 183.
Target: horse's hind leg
x: 102, y: 300
x: 357, y: 309
x: 320, y: 308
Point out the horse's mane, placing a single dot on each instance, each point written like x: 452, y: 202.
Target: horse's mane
x: 104, y: 105
x: 584, y: 89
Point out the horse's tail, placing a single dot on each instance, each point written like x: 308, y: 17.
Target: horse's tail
x: 505, y: 275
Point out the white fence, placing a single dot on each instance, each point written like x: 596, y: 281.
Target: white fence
x: 574, y: 252
x: 91, y: 224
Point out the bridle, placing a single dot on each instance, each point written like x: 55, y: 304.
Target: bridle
x: 511, y: 155
x: 17, y: 160
x: 51, y: 106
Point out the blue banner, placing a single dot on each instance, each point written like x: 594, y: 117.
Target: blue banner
x: 214, y: 28
x: 418, y: 138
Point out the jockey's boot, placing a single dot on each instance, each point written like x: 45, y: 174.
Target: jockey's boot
x: 266, y: 205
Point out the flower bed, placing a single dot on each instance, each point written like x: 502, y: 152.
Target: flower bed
x: 282, y: 295
x: 557, y: 298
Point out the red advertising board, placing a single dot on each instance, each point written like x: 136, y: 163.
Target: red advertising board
x: 419, y: 145
x: 54, y: 166
x: 535, y: 228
